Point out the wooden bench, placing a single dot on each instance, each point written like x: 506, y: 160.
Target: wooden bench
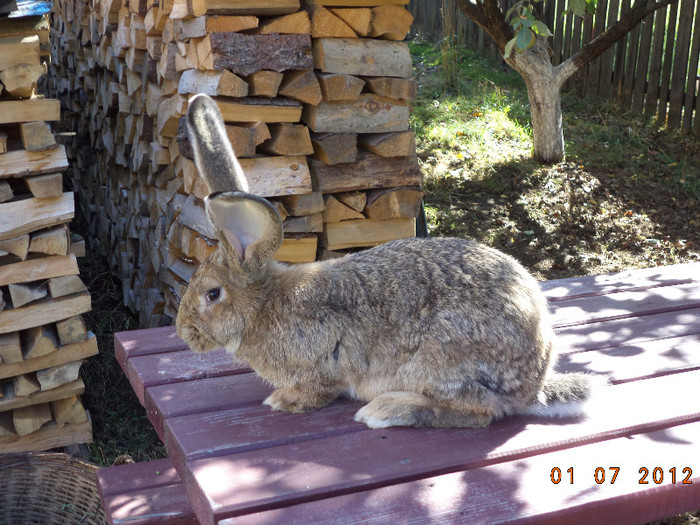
x: 632, y: 458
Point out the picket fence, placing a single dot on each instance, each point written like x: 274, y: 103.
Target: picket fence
x: 654, y: 69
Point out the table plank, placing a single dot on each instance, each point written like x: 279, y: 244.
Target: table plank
x: 625, y: 304
x: 522, y: 491
x: 321, y: 468
x: 172, y: 367
x: 144, y: 342
x: 616, y: 332
x: 203, y: 395
x: 633, y: 279
x: 144, y: 493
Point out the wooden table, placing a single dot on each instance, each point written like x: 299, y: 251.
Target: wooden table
x: 634, y: 457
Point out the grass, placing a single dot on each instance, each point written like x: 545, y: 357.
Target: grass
x: 119, y: 423
x: 479, y: 120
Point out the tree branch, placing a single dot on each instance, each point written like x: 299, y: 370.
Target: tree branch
x: 487, y: 14
x: 607, y: 38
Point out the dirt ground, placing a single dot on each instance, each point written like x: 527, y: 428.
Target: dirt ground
x: 566, y: 221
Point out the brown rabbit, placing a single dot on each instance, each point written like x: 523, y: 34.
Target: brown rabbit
x: 431, y: 332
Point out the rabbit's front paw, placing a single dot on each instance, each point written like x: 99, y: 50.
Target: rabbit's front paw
x: 291, y: 400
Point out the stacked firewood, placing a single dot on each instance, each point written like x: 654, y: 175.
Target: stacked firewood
x: 315, y: 98
x: 43, y: 340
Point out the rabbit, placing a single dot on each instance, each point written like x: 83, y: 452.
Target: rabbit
x: 435, y: 332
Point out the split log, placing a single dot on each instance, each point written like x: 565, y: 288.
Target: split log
x: 277, y: 176
x: 43, y: 312
x: 19, y: 50
x: 287, y: 139
x: 24, y: 385
x: 355, y: 199
x: 302, y: 86
x: 30, y: 419
x: 336, y: 211
x: 22, y: 294
x: 361, y: 56
x: 368, y: 114
x: 200, y: 26
x: 13, y: 111
x: 244, y: 138
x: 68, y: 411
x: 195, y: 8
x: 335, y: 148
x: 366, y: 232
x: 37, y: 269
x: 265, y: 110
x: 66, y: 285
x: 66, y: 354
x: 71, y: 330
x: 391, y: 22
x: 22, y: 163
x: 6, y: 192
x: 336, y: 87
x: 246, y: 54
x: 20, y: 80
x: 359, y: 19
x: 293, y: 23
x: 300, y: 205
x: 39, y: 341
x: 45, y: 186
x: 264, y: 83
x: 20, y: 217
x: 398, y: 144
x: 298, y: 249
x: 214, y: 83
x: 52, y: 241
x: 3, y: 137
x: 306, y: 224
x: 370, y: 171
x: 10, y: 348
x: 326, y: 24
x: 393, y: 203
x: 58, y: 375
x: 49, y: 436
x: 401, y: 88
x: 18, y: 246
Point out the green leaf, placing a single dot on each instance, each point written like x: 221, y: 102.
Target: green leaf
x: 578, y: 7
x: 541, y: 28
x: 509, y: 48
x: 525, y: 38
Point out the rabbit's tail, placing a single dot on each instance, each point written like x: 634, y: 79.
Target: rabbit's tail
x: 565, y: 395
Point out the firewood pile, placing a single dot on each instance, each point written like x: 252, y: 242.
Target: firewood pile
x: 43, y: 340
x: 316, y: 101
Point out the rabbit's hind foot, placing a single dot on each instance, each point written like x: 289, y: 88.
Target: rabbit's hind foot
x: 293, y: 400
x: 409, y: 409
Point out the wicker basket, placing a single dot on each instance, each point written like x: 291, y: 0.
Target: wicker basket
x: 48, y: 489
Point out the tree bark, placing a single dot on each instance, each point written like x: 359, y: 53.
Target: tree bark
x: 543, y: 83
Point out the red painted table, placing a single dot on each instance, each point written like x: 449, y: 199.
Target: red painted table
x: 634, y: 457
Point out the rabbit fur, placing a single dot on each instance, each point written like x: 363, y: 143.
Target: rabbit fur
x: 433, y: 332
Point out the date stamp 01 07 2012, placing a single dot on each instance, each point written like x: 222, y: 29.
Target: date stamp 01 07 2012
x: 645, y: 476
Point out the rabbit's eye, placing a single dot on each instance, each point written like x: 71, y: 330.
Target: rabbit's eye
x: 213, y: 295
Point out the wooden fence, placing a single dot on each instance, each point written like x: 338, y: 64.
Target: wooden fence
x: 653, y: 70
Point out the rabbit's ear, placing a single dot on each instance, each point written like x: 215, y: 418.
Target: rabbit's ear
x: 249, y: 227
x: 213, y: 153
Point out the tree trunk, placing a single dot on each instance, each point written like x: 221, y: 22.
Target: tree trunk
x: 545, y: 112
x: 543, y: 83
